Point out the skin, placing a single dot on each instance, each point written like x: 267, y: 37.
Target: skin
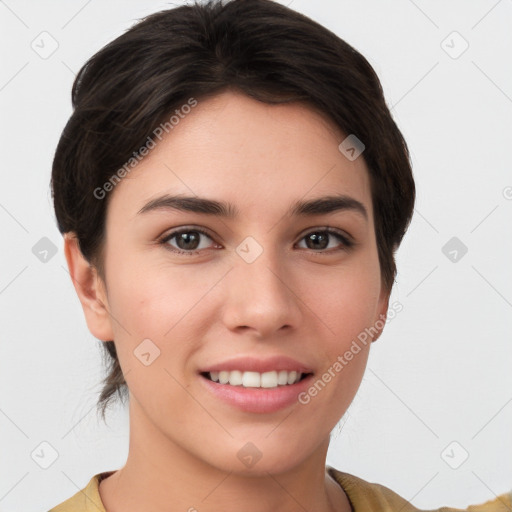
x: 294, y: 299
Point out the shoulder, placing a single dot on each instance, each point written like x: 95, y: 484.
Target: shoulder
x: 367, y: 496
x: 86, y: 500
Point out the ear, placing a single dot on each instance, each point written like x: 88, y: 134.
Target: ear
x: 382, y: 313
x: 90, y: 290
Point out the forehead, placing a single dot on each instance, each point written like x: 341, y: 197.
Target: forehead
x: 248, y: 153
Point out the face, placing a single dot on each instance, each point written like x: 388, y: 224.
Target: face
x: 260, y: 285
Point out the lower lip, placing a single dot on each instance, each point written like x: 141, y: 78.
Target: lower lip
x: 258, y: 400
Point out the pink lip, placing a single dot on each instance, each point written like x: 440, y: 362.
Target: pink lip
x: 253, y: 364
x: 257, y: 400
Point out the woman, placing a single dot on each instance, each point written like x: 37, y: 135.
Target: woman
x: 232, y: 189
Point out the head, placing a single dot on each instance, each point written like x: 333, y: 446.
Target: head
x: 244, y: 102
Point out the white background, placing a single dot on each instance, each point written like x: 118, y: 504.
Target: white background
x: 441, y: 372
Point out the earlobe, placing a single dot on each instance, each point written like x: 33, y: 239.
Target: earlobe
x: 90, y: 290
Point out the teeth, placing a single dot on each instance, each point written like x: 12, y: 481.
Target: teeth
x: 255, y: 379
x: 235, y: 378
x: 282, y: 378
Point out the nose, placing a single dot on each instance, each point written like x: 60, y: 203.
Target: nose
x: 261, y: 296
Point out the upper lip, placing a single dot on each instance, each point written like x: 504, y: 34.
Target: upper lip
x: 254, y: 364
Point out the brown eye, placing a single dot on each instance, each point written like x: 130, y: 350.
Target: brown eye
x: 320, y: 240
x: 186, y: 240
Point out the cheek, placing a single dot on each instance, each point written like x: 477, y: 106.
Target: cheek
x: 151, y: 297
x: 344, y: 300
x: 161, y: 303
x: 344, y: 309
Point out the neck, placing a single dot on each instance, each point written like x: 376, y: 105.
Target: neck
x: 159, y: 472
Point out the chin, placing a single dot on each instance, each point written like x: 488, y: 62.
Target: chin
x: 253, y: 459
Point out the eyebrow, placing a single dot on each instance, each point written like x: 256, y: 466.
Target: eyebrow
x: 318, y: 206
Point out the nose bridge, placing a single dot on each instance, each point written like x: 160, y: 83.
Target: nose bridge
x: 259, y: 294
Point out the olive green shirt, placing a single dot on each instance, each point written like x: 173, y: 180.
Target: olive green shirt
x: 363, y: 496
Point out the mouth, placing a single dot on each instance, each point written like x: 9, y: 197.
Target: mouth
x: 249, y: 379
x: 254, y: 392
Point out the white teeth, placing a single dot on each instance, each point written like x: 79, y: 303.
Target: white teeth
x: 282, y: 378
x: 269, y: 380
x: 292, y: 376
x: 256, y: 380
x: 251, y: 380
x: 235, y: 378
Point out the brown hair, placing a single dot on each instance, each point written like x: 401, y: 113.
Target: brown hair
x: 259, y: 47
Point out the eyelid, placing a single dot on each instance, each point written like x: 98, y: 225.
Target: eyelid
x: 329, y: 229
x: 183, y: 229
x: 168, y: 233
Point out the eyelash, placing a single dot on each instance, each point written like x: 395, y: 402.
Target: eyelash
x: 347, y: 244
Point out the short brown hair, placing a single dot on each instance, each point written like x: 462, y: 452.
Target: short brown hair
x: 259, y: 47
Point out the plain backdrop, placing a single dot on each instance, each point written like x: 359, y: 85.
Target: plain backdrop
x: 438, y: 387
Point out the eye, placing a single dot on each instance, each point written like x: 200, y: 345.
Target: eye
x: 320, y: 239
x: 188, y: 240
